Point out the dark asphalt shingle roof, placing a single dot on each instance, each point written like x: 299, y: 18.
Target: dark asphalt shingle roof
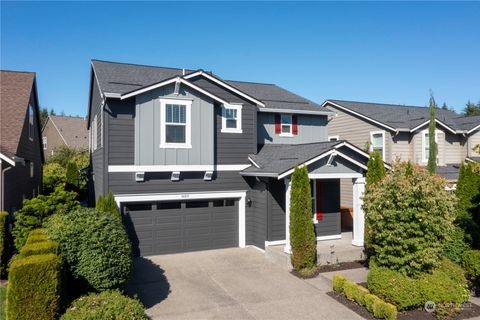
x: 121, y: 78
x: 467, y: 123
x: 73, y: 130
x: 398, y: 116
x: 278, y: 158
x: 476, y: 159
x: 449, y: 172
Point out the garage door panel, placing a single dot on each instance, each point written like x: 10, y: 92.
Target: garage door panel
x: 189, y: 228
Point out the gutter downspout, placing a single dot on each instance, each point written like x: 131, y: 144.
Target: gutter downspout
x: 2, y: 183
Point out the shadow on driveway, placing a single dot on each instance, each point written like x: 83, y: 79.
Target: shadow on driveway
x: 148, y: 282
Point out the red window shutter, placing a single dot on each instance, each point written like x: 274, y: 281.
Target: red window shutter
x: 294, y: 125
x: 278, y: 125
x: 318, y: 196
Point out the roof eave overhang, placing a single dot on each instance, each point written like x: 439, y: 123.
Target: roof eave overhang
x: 12, y: 161
x: 297, y: 111
x: 441, y: 124
x: 473, y: 129
x: 259, y: 174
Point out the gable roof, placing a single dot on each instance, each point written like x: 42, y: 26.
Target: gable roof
x: 73, y: 130
x: 122, y: 79
x: 16, y: 90
x: 404, y: 118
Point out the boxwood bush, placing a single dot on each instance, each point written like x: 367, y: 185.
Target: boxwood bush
x: 34, y: 286
x: 445, y: 285
x: 42, y: 247
x: 4, y: 245
x: 95, y: 245
x: 105, y: 305
x: 471, y: 265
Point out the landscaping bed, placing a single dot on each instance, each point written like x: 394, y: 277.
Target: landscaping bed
x: 470, y: 310
x: 342, y: 266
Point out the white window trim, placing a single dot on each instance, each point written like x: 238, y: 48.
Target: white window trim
x: 424, y: 155
x: 333, y: 137
x: 372, y: 133
x: 188, y: 124
x: 286, y: 134
x: 45, y: 143
x: 238, y: 129
x: 314, y: 198
x: 32, y: 169
x: 94, y: 133
x: 101, y: 128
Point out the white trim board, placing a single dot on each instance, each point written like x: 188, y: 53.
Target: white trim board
x: 7, y: 159
x: 438, y: 122
x: 119, y: 199
x: 296, y: 111
x: 322, y: 238
x: 334, y: 175
x: 180, y: 168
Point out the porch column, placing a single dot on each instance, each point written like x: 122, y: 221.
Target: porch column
x: 358, y: 214
x: 288, y: 185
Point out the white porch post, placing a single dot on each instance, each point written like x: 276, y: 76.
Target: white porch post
x: 288, y: 185
x: 358, y: 214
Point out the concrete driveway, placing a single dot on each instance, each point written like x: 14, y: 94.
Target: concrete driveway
x: 229, y: 284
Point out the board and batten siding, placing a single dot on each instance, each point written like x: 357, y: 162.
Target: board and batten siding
x: 311, y: 128
x: 357, y: 131
x: 147, y: 129
x: 473, y: 140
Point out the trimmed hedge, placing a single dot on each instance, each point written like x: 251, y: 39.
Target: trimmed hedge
x: 4, y: 245
x: 361, y: 295
x: 42, y: 247
x: 36, y: 238
x: 105, y: 305
x: 34, y: 285
x: 471, y: 264
x: 445, y: 285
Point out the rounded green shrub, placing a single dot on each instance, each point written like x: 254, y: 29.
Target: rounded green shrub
x: 105, y: 305
x: 471, y: 264
x: 338, y: 282
x: 95, y: 245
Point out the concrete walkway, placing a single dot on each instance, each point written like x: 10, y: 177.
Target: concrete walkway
x: 231, y: 284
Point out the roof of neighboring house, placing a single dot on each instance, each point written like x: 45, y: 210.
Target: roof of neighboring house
x: 72, y: 129
x: 474, y: 159
x: 123, y: 78
x: 16, y: 88
x: 405, y: 117
x: 449, y: 172
x: 276, y: 159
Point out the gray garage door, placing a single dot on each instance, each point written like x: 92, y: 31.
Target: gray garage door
x: 171, y: 227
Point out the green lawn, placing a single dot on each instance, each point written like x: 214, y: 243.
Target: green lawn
x: 3, y: 296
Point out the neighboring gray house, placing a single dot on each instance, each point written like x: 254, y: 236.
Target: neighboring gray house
x: 401, y: 132
x: 64, y: 131
x: 197, y: 162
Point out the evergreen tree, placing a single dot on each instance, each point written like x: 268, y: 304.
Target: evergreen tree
x: 72, y: 176
x: 468, y: 192
x: 302, y: 234
x: 43, y: 116
x: 471, y: 109
x: 375, y: 168
x: 445, y: 107
x: 52, y: 112
x: 432, y: 153
x: 100, y: 204
x: 111, y: 205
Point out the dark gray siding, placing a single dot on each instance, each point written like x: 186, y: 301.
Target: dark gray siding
x: 276, y: 210
x: 256, y: 214
x: 97, y: 157
x: 124, y: 183
x: 121, y: 131
x: 330, y: 225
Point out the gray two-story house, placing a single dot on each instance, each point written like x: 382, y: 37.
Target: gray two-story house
x: 197, y: 162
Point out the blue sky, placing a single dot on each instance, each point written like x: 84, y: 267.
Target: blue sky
x: 380, y: 52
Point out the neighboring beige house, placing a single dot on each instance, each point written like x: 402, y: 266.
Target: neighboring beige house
x: 64, y: 131
x: 401, y: 132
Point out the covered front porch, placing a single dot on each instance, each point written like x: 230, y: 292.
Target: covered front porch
x: 328, y: 163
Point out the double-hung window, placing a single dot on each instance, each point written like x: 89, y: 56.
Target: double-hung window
x: 232, y: 118
x: 175, y: 119
x: 44, y: 140
x: 286, y: 125
x: 377, y: 142
x: 30, y: 122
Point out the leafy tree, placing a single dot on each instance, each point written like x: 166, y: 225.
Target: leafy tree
x: 471, y: 109
x: 36, y: 210
x: 302, y: 234
x: 433, y: 148
x: 54, y: 175
x: 63, y: 155
x: 72, y: 176
x: 412, y: 215
x: 43, y: 116
x: 468, y: 192
x: 375, y: 168
x: 100, y: 204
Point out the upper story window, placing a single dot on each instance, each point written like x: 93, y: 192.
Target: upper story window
x: 232, y: 118
x: 426, y: 145
x: 175, y: 123
x: 286, y: 125
x: 377, y: 142
x: 32, y: 169
x: 94, y: 130
x: 30, y: 122
x: 44, y: 141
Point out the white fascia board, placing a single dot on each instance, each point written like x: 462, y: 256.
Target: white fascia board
x: 179, y: 168
x: 438, y: 122
x: 295, y: 111
x: 473, y: 129
x: 323, y: 155
x: 334, y: 175
x: 358, y: 114
x: 358, y: 150
x: 253, y: 162
x: 7, y: 159
x: 112, y: 95
x: 259, y: 174
x: 361, y: 165
x: 225, y: 85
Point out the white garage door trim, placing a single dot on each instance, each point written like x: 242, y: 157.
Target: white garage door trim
x: 119, y: 199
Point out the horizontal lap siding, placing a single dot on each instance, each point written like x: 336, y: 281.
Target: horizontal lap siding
x: 121, y: 132
x: 455, y: 148
x: 346, y: 193
x: 124, y: 183
x: 473, y: 140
